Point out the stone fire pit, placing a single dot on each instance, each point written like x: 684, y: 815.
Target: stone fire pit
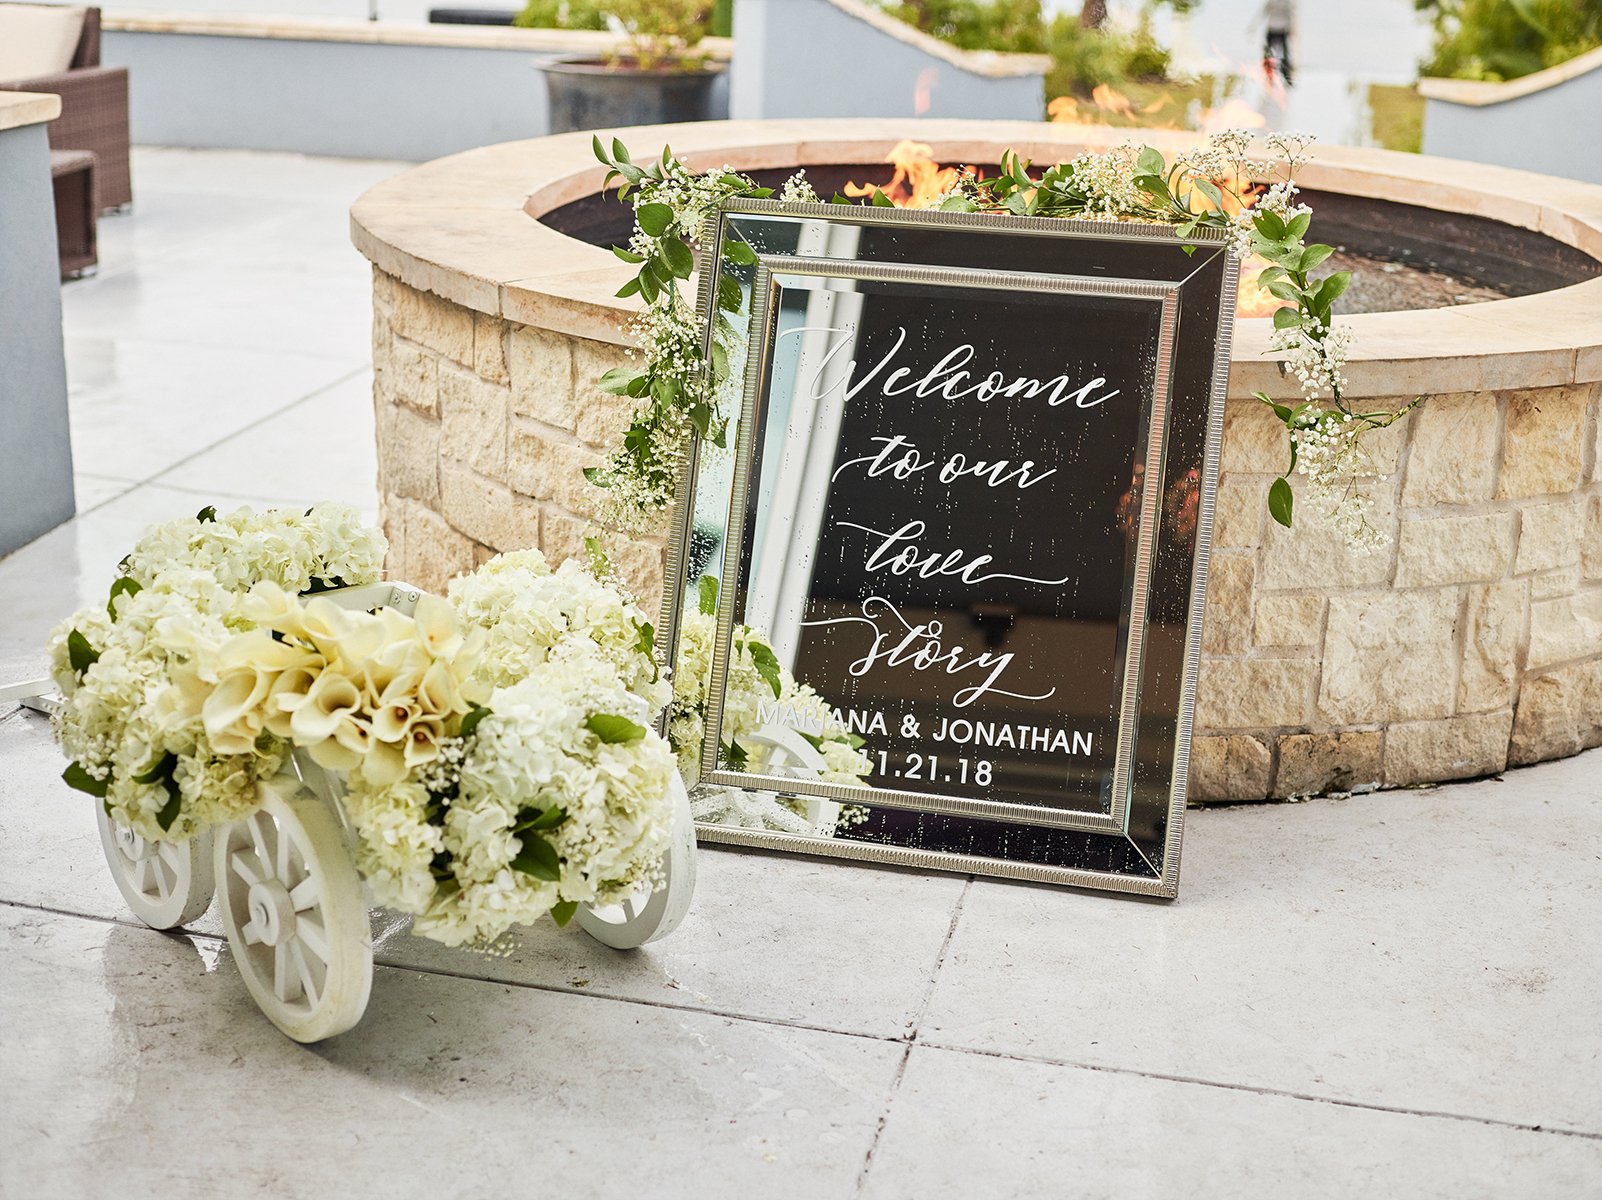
x: 1473, y: 643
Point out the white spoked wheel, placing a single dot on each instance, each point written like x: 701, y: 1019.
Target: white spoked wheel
x: 791, y: 754
x: 166, y: 884
x: 294, y: 910
x: 651, y: 913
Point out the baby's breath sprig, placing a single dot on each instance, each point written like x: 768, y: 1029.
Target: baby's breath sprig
x: 676, y: 393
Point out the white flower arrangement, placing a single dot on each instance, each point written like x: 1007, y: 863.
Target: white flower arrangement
x: 755, y: 677
x: 556, y: 795
x: 135, y: 737
x: 531, y: 614
x: 497, y: 757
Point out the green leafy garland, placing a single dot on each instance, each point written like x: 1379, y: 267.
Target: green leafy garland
x: 1208, y: 187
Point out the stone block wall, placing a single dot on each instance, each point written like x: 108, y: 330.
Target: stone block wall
x: 484, y: 429
x: 1472, y: 643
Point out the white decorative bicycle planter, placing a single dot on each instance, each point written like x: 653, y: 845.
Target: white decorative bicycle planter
x: 294, y: 907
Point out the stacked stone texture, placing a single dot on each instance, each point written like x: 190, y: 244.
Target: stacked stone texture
x: 1472, y: 643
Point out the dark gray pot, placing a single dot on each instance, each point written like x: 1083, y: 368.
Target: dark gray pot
x: 588, y: 94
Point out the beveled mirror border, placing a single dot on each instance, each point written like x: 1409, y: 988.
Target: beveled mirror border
x: 1164, y: 880
x: 763, y: 315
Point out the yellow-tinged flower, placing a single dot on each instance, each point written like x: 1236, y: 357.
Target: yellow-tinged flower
x: 331, y: 698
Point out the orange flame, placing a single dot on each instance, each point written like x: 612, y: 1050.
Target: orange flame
x: 1107, y: 101
x: 918, y: 181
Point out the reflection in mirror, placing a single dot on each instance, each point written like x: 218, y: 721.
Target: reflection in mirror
x: 937, y: 593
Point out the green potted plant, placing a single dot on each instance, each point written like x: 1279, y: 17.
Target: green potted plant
x: 655, y: 76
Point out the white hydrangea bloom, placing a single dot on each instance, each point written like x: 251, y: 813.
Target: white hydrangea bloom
x: 532, y: 614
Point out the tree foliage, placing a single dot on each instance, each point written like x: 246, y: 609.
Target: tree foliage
x: 1504, y: 39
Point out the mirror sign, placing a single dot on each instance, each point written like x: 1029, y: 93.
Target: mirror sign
x: 969, y: 505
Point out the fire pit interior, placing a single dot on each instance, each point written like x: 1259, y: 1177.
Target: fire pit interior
x: 1401, y: 256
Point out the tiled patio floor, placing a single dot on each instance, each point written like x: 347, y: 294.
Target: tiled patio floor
x: 1394, y: 995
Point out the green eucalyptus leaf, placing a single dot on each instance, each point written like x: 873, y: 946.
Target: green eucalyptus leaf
x: 1269, y: 225
x: 616, y: 381
x: 125, y: 586
x: 169, y: 810
x: 1298, y: 225
x: 730, y: 295
x: 80, y: 654
x: 471, y: 719
x: 539, y: 820
x: 766, y: 664
x: 1284, y: 318
x: 1280, y: 501
x: 161, y: 769
x: 1150, y: 162
x: 1312, y: 256
x: 562, y: 912
x: 739, y: 253
x: 76, y: 776
x: 707, y: 595
x: 880, y: 200
x: 678, y: 258
x: 649, y: 287
x: 654, y: 218
x: 1331, y: 290
x: 613, y: 729
x: 619, y: 151
x: 631, y: 288
x: 537, y: 858
x: 627, y: 255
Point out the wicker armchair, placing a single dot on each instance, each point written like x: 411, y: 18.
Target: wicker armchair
x: 94, y: 112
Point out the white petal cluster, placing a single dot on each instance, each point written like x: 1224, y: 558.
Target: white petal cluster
x: 798, y: 189
x: 373, y: 693
x: 532, y: 754
x: 1330, y: 454
x: 135, y: 712
x: 329, y: 543
x: 531, y: 614
x: 1316, y: 355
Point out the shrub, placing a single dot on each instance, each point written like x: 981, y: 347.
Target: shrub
x: 659, y: 31
x: 1503, y: 39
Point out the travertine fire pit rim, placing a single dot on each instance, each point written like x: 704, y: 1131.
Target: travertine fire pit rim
x: 466, y: 228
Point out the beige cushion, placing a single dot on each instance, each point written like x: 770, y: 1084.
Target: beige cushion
x: 38, y: 39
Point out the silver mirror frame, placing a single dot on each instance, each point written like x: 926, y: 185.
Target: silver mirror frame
x: 1158, y: 879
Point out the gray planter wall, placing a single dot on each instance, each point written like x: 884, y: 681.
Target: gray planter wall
x: 1555, y: 131
x: 355, y: 99
x: 35, y: 445
x: 809, y: 58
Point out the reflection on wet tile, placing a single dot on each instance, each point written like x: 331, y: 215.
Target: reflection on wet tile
x: 148, y: 1072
